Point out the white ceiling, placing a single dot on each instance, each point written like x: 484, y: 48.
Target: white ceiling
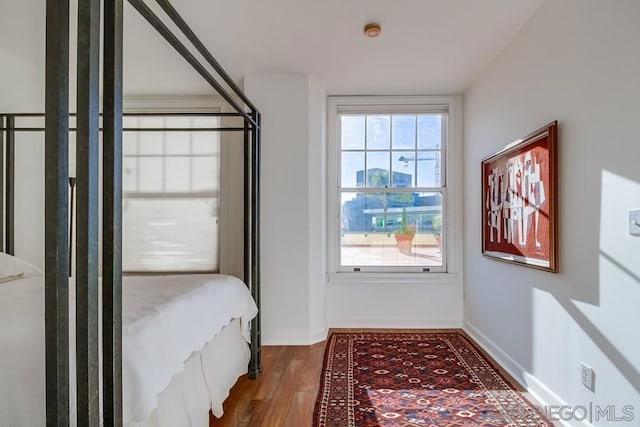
x: 426, y: 46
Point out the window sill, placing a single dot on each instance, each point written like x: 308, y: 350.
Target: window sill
x: 393, y: 278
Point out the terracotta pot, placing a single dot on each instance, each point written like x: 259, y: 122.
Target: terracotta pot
x: 404, y: 242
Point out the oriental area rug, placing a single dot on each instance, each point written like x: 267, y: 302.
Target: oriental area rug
x: 415, y: 379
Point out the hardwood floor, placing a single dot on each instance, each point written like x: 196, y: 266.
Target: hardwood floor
x: 282, y: 396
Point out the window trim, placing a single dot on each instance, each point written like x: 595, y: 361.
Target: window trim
x: 452, y: 194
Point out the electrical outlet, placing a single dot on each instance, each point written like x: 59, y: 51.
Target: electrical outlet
x: 588, y: 377
x: 634, y: 222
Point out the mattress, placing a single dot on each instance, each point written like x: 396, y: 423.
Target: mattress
x: 165, y: 320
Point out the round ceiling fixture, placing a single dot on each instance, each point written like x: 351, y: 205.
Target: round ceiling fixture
x: 372, y: 30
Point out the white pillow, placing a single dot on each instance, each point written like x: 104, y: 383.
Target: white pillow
x: 12, y: 268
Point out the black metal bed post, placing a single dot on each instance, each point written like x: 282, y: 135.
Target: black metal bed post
x: 57, y: 213
x: 87, y: 166
x: 10, y: 152
x: 248, y: 241
x: 252, y: 234
x: 112, y: 215
x: 255, y: 365
x: 3, y: 173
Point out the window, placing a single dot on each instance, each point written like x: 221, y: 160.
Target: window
x: 170, y: 187
x: 388, y: 189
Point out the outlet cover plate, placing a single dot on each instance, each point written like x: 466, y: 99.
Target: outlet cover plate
x: 587, y: 377
x: 634, y: 222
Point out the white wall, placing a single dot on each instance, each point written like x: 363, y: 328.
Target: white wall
x: 22, y: 82
x: 395, y: 305
x: 317, y: 210
x: 22, y: 90
x: 297, y: 304
x: 22, y: 56
x: 29, y: 198
x: 575, y: 61
x: 292, y: 206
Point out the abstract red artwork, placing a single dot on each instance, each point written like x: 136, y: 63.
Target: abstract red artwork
x: 519, y: 192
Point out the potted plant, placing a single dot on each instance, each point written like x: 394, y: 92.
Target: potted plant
x: 404, y: 235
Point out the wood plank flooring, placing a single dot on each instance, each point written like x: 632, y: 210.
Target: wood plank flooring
x: 282, y: 396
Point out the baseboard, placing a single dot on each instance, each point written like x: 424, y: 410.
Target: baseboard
x: 294, y: 338
x: 393, y: 323
x: 318, y: 335
x: 536, y: 388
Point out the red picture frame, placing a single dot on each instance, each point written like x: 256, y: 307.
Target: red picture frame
x: 519, y: 201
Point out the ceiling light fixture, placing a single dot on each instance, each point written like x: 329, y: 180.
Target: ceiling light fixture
x: 372, y: 30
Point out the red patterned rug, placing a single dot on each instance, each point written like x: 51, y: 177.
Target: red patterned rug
x: 415, y: 379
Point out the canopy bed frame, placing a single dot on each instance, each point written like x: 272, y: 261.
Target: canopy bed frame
x: 57, y: 242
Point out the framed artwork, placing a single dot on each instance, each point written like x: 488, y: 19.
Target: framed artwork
x: 519, y: 201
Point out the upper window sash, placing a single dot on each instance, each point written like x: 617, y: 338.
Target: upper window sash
x: 412, y: 155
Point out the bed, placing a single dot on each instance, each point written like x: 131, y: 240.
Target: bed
x: 126, y: 350
x: 185, y: 343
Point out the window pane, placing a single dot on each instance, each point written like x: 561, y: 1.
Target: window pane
x: 129, y: 122
x: 205, y: 142
x: 429, y: 131
x: 206, y: 121
x: 178, y: 142
x: 352, y: 169
x: 129, y: 174
x: 403, y: 168
x: 352, y: 130
x: 178, y: 122
x: 378, y: 134
x: 391, y: 229
x: 177, y: 174
x: 378, y: 169
x: 147, y: 122
x: 151, y: 142
x: 205, y: 174
x: 150, y: 175
x: 403, y: 132
x: 170, y: 235
x: 129, y: 143
x: 428, y: 169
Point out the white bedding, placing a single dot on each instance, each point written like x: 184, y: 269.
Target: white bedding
x: 165, y: 319
x: 190, y: 395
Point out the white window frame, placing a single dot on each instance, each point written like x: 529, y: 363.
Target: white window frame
x: 451, y: 195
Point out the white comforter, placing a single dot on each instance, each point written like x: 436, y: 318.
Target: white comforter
x: 165, y: 319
